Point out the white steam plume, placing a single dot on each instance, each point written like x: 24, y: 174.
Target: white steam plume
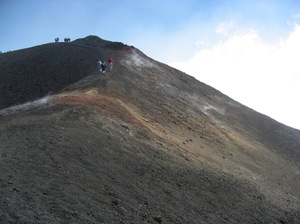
x: 24, y: 106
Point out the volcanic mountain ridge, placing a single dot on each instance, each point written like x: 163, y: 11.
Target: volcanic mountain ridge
x: 144, y: 143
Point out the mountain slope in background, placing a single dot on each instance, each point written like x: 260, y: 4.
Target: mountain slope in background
x: 145, y: 143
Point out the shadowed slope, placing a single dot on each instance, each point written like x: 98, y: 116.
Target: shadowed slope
x: 35, y: 72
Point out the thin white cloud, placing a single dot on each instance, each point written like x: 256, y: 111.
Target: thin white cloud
x: 224, y: 28
x: 297, y: 15
x: 263, y: 76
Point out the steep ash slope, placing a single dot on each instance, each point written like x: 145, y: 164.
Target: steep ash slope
x: 35, y: 72
x: 145, y: 143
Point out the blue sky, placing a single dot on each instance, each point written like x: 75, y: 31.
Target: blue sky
x: 248, y: 49
x: 25, y: 23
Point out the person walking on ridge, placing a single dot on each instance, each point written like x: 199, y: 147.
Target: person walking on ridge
x: 99, y: 69
x: 103, y: 67
x: 110, y: 64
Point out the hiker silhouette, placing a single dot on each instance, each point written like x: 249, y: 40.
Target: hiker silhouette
x: 110, y: 64
x: 103, y: 67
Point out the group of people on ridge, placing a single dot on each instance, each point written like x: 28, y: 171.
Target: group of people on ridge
x: 67, y: 39
x: 101, y: 65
